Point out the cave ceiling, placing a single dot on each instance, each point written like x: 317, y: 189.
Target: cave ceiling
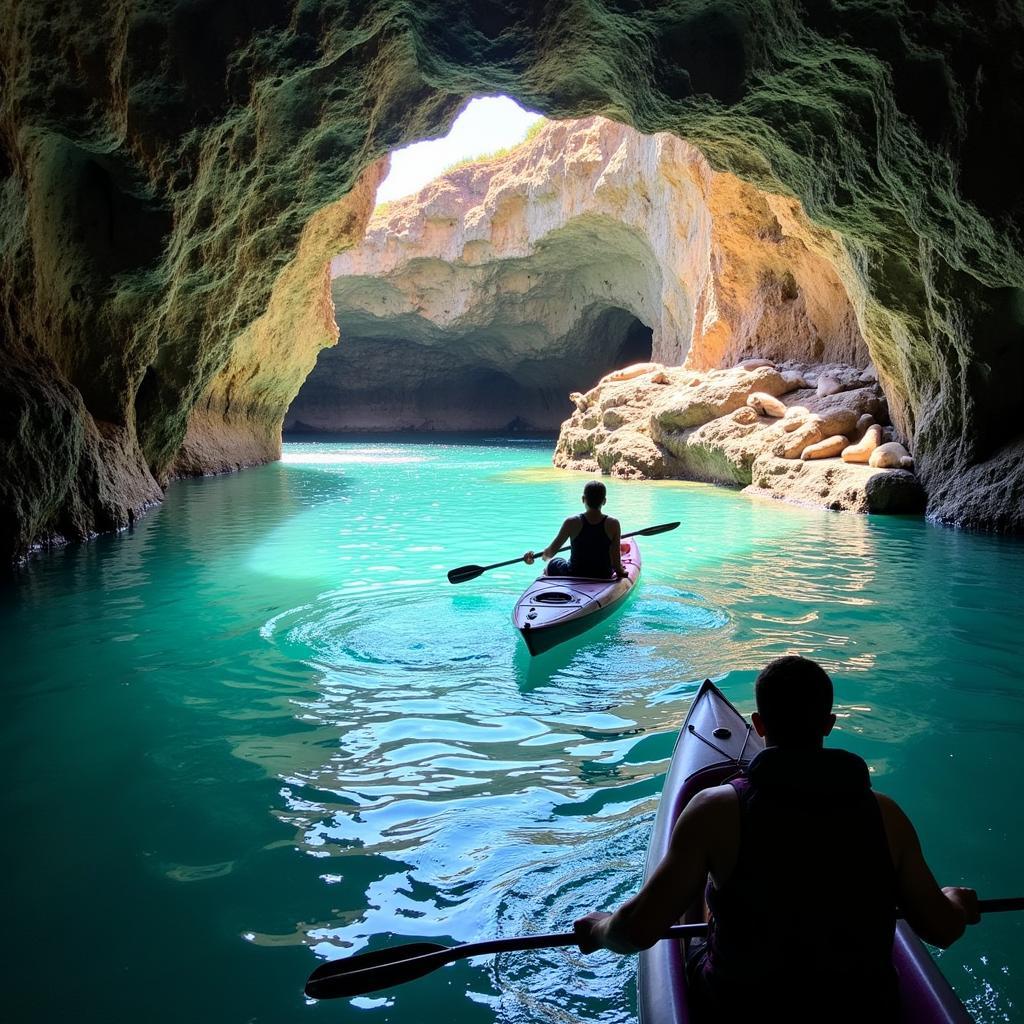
x: 167, y: 165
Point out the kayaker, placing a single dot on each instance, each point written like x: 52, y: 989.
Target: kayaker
x: 802, y: 866
x: 595, y: 540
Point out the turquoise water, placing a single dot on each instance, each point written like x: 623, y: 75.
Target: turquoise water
x: 262, y: 729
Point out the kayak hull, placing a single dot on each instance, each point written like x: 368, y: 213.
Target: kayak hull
x: 554, y: 609
x: 713, y: 744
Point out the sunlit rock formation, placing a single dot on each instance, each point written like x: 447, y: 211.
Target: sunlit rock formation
x: 161, y: 162
x: 776, y: 430
x: 504, y: 285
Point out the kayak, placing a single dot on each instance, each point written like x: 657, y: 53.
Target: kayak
x: 554, y: 609
x: 714, y: 743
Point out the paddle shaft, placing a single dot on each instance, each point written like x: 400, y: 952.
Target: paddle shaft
x: 472, y: 571
x: 355, y: 981
x: 677, y: 931
x: 468, y: 949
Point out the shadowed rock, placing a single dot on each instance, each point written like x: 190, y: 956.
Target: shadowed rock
x: 162, y: 163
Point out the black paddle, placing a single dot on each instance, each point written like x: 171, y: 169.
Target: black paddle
x: 470, y: 572
x: 384, y: 968
x: 369, y: 972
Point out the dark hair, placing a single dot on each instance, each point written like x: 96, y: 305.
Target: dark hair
x: 794, y: 698
x: 594, y: 494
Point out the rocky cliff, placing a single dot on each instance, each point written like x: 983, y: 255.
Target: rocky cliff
x: 161, y: 161
x: 506, y: 284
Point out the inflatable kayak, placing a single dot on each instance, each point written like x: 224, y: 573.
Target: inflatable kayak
x: 714, y: 743
x: 554, y: 609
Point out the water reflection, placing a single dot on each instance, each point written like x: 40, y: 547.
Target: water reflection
x: 270, y: 724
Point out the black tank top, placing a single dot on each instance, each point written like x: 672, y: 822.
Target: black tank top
x: 591, y: 550
x: 806, y: 920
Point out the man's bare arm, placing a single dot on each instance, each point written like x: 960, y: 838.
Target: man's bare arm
x: 614, y: 531
x: 939, y: 916
x: 673, y: 888
x: 561, y: 537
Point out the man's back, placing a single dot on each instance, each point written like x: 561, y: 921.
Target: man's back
x: 804, y: 885
x: 806, y: 897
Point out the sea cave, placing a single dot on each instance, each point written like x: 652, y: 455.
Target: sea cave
x: 731, y: 316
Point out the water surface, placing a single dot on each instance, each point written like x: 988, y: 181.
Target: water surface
x: 262, y: 729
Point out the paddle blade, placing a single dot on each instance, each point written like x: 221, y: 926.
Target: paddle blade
x: 464, y: 572
x: 652, y: 530
x: 369, y: 972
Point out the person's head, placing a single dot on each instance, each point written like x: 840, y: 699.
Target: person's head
x: 594, y: 494
x: 794, y: 703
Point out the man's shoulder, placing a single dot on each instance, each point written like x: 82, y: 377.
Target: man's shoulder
x: 714, y: 801
x: 710, y: 818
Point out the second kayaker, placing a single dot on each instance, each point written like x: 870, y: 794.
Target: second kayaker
x: 802, y: 866
x: 595, y: 538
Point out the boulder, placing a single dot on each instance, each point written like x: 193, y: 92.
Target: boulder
x: 895, y: 492
x: 716, y: 395
x: 861, y: 451
x: 826, y: 449
x: 891, y: 455
x: 766, y: 405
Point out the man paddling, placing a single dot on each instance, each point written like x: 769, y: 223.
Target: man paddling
x: 595, y: 540
x: 803, y: 868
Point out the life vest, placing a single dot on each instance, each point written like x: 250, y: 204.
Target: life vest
x: 804, y: 925
x: 590, y: 550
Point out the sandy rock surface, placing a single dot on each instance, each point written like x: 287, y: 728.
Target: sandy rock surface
x: 707, y: 427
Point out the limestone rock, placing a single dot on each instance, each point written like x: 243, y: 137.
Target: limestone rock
x: 719, y: 393
x: 890, y: 456
x: 154, y: 192
x: 865, y: 421
x: 837, y: 485
x: 793, y: 442
x: 895, y: 492
x: 861, y: 451
x: 828, y: 386
x: 598, y: 279
x: 629, y: 372
x: 826, y: 449
x: 766, y: 405
x: 630, y: 455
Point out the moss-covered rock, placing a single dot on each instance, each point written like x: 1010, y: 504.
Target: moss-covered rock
x: 161, y: 161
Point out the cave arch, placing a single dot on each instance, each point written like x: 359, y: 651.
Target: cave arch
x: 239, y: 164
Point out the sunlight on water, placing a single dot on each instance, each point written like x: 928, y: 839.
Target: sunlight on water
x: 263, y: 729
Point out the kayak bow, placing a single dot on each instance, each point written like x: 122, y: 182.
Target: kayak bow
x: 554, y: 609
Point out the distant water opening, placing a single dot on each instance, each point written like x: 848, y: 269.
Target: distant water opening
x: 453, y: 381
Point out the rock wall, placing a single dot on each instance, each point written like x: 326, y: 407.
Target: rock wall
x: 160, y: 162
x: 508, y: 274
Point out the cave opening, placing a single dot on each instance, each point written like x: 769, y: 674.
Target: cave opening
x: 460, y: 381
x: 498, y: 274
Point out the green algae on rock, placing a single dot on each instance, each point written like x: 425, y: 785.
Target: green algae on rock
x: 162, y: 161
